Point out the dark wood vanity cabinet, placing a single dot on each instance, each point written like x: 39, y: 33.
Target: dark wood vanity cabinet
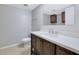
x: 41, y: 46
x: 63, y: 17
x: 53, y: 18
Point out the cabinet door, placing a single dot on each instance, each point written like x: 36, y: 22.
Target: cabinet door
x: 39, y: 46
x: 53, y: 18
x: 33, y: 40
x: 63, y: 51
x: 48, y: 48
x: 33, y: 44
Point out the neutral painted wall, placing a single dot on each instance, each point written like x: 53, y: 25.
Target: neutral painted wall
x: 37, y: 18
x: 28, y: 21
x: 46, y: 19
x: 14, y: 24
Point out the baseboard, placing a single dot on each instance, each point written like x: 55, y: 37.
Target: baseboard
x: 9, y: 46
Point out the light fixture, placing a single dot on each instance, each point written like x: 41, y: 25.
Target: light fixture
x: 25, y: 5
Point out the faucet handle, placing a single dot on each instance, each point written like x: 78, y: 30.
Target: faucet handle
x: 49, y: 30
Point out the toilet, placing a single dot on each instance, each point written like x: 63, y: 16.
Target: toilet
x: 25, y: 42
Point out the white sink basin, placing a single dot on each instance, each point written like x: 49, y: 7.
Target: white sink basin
x: 48, y: 34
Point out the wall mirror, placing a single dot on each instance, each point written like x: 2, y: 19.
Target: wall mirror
x: 55, y: 14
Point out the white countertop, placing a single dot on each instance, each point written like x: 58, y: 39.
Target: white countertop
x: 61, y: 40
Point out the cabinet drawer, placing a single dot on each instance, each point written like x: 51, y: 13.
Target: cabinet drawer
x: 63, y: 51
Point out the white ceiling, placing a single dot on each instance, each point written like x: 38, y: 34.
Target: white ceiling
x: 48, y: 8
x: 29, y: 7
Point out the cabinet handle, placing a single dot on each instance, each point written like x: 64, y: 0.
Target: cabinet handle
x: 41, y: 40
x: 33, y: 49
x: 64, y: 50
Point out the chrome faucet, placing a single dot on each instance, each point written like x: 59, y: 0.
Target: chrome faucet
x: 52, y: 31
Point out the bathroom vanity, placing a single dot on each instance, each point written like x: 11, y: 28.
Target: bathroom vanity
x: 47, y: 44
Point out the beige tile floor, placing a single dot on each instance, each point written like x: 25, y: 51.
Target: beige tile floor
x: 16, y: 50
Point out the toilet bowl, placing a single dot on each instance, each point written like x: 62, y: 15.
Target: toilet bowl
x: 25, y: 42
